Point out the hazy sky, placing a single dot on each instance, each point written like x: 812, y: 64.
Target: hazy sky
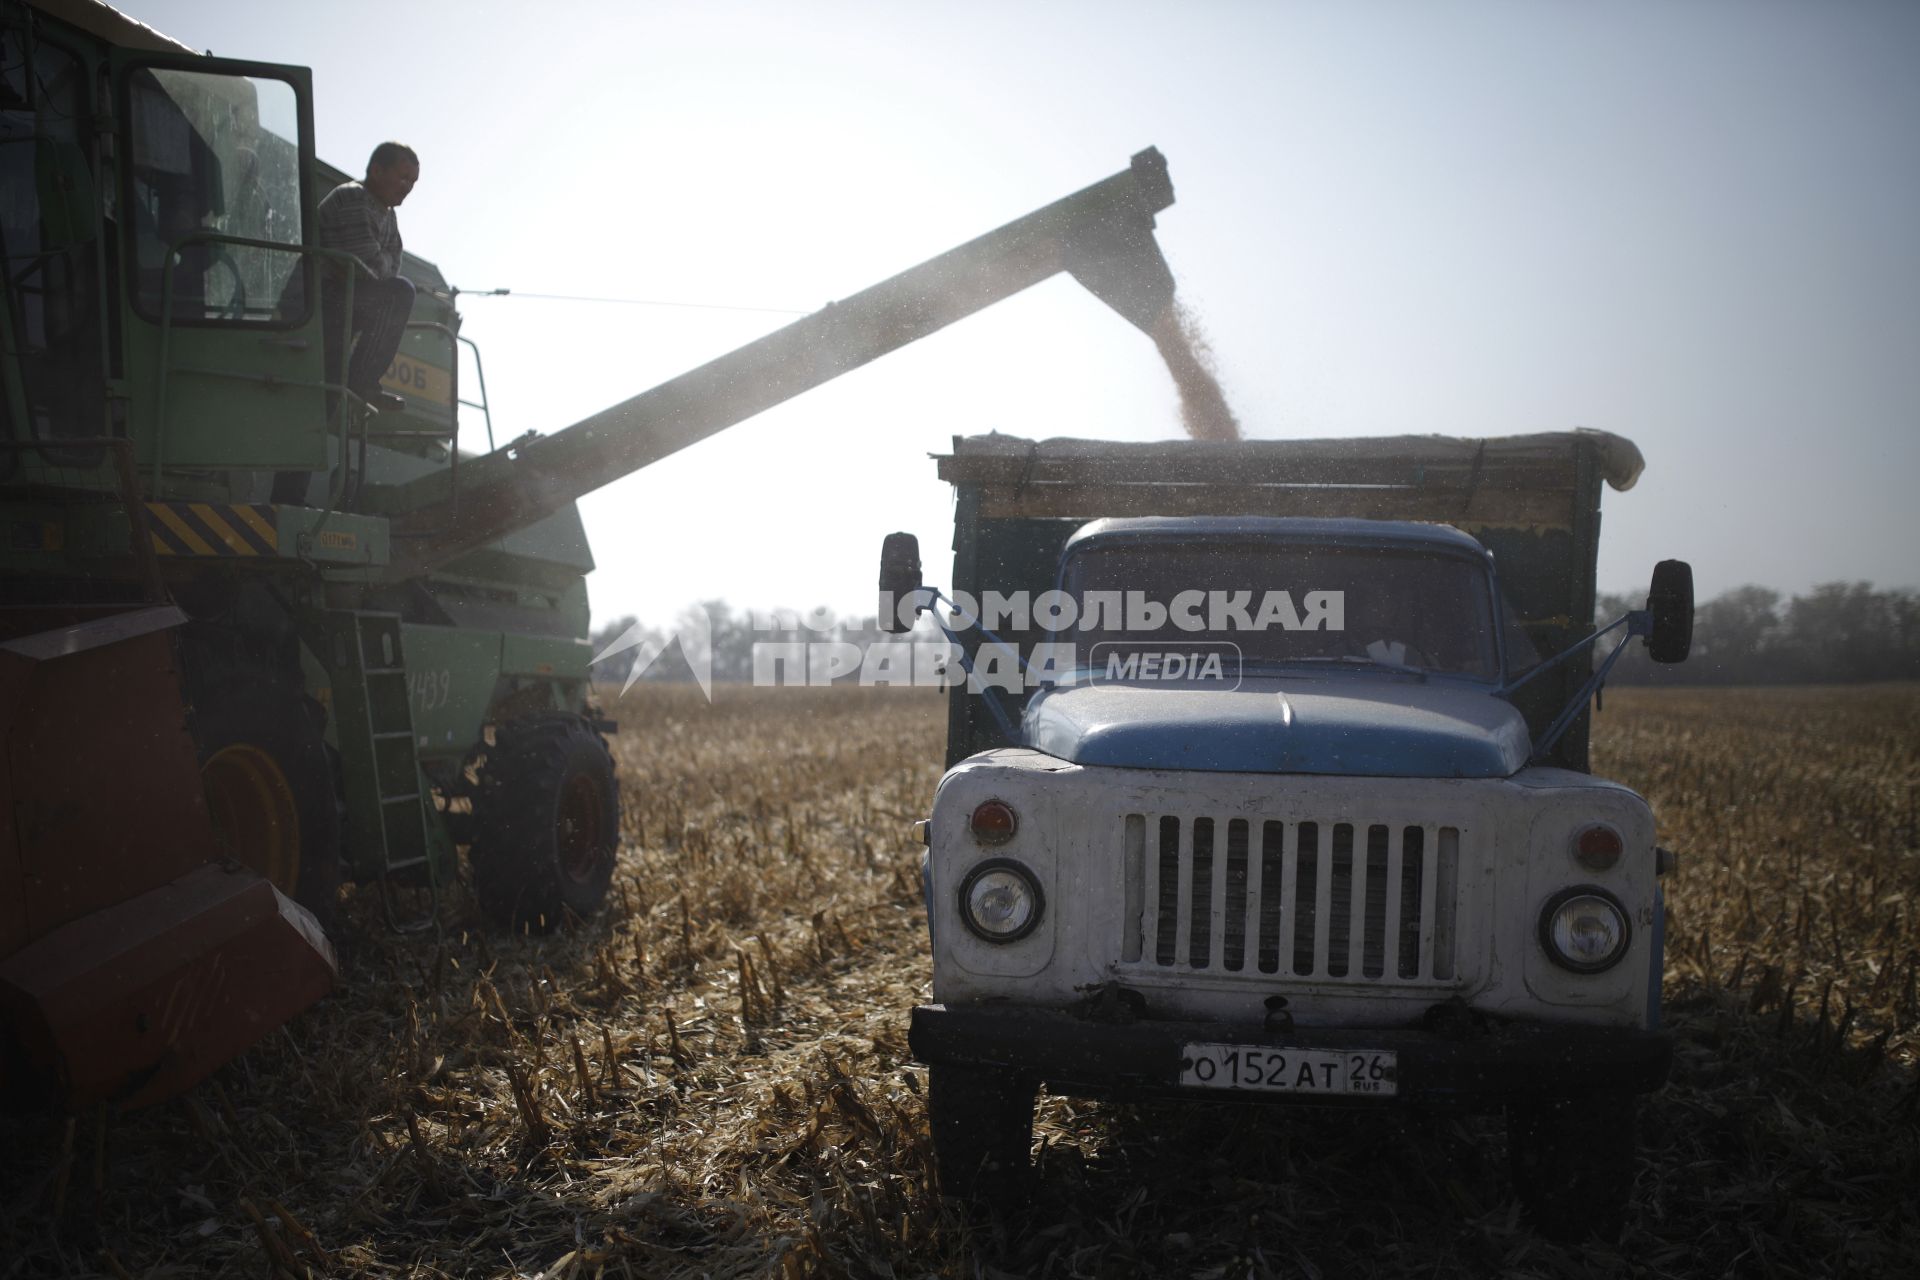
x: 1694, y: 224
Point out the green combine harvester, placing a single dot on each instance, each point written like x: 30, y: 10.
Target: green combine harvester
x: 372, y: 678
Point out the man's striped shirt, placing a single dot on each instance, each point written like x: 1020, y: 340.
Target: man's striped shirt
x: 351, y: 219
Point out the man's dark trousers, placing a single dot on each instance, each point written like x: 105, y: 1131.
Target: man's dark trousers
x: 380, y: 312
x: 381, y: 309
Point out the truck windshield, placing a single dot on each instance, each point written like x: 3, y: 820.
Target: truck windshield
x: 1276, y: 604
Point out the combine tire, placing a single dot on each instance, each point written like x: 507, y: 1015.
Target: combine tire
x: 268, y: 782
x: 982, y: 1122
x: 546, y: 823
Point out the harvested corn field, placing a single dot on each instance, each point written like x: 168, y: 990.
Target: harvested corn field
x: 713, y: 1080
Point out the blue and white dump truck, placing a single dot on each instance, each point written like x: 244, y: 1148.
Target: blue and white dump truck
x: 1267, y: 780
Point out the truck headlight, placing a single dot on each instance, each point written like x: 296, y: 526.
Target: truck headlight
x: 1585, y: 929
x: 1000, y: 900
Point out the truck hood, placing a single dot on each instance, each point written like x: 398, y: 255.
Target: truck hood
x: 1349, y: 723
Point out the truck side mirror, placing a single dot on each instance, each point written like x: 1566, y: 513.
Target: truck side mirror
x: 1670, y: 601
x: 899, y: 578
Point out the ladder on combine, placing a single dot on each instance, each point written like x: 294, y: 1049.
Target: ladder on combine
x: 385, y: 803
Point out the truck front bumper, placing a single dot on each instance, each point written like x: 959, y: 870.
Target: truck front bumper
x: 1475, y: 1063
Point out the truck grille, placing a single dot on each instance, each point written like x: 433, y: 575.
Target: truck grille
x: 1348, y: 902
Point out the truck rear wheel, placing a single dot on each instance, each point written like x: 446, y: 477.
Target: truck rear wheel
x: 1572, y: 1162
x: 546, y: 823
x: 269, y: 789
x: 982, y: 1121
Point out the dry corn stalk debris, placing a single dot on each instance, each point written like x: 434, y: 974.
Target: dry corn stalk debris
x: 712, y: 1079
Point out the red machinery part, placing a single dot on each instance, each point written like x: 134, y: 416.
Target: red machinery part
x: 139, y: 1001
x: 100, y: 777
x: 131, y: 965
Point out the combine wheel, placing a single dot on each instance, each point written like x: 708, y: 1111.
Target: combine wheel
x: 269, y: 788
x: 546, y: 823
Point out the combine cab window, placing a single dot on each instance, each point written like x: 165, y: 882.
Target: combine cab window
x: 49, y: 246
x: 215, y: 155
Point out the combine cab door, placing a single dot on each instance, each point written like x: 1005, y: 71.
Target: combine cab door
x: 222, y: 319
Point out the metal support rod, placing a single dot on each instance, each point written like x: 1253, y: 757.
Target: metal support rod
x: 1639, y: 623
x: 989, y: 693
x: 973, y: 623
x: 485, y: 406
x: 1566, y: 653
x: 453, y: 403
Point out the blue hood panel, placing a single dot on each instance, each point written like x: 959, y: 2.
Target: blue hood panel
x: 1353, y: 724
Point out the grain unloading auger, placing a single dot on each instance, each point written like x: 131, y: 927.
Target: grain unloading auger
x: 216, y: 702
x: 1102, y: 236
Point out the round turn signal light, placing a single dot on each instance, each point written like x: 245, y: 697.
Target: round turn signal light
x: 1597, y: 848
x: 994, y: 822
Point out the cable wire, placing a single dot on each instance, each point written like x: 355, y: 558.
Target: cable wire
x: 630, y: 302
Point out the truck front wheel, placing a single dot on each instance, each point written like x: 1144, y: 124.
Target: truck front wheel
x: 546, y: 823
x: 1572, y: 1162
x: 982, y: 1120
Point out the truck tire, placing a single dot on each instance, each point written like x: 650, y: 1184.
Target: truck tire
x: 268, y: 782
x: 546, y: 823
x: 1572, y: 1163
x: 982, y: 1122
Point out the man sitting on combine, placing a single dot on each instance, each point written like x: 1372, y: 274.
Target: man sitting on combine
x: 358, y: 217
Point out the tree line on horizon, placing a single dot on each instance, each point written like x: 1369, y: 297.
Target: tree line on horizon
x: 1838, y: 632
x: 732, y: 634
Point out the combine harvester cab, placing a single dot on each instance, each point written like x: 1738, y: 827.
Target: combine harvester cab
x: 379, y: 654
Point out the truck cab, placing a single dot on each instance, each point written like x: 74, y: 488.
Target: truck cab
x: 1277, y: 811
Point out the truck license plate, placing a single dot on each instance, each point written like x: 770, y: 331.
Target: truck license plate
x: 1324, y: 1072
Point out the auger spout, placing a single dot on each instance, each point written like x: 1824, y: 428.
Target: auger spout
x: 1102, y: 236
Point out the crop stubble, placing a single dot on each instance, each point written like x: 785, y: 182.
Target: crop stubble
x: 713, y: 1079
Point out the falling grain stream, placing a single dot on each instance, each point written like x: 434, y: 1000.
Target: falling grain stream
x: 1203, y: 406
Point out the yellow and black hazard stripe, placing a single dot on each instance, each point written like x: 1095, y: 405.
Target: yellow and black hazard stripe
x: 213, y: 529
